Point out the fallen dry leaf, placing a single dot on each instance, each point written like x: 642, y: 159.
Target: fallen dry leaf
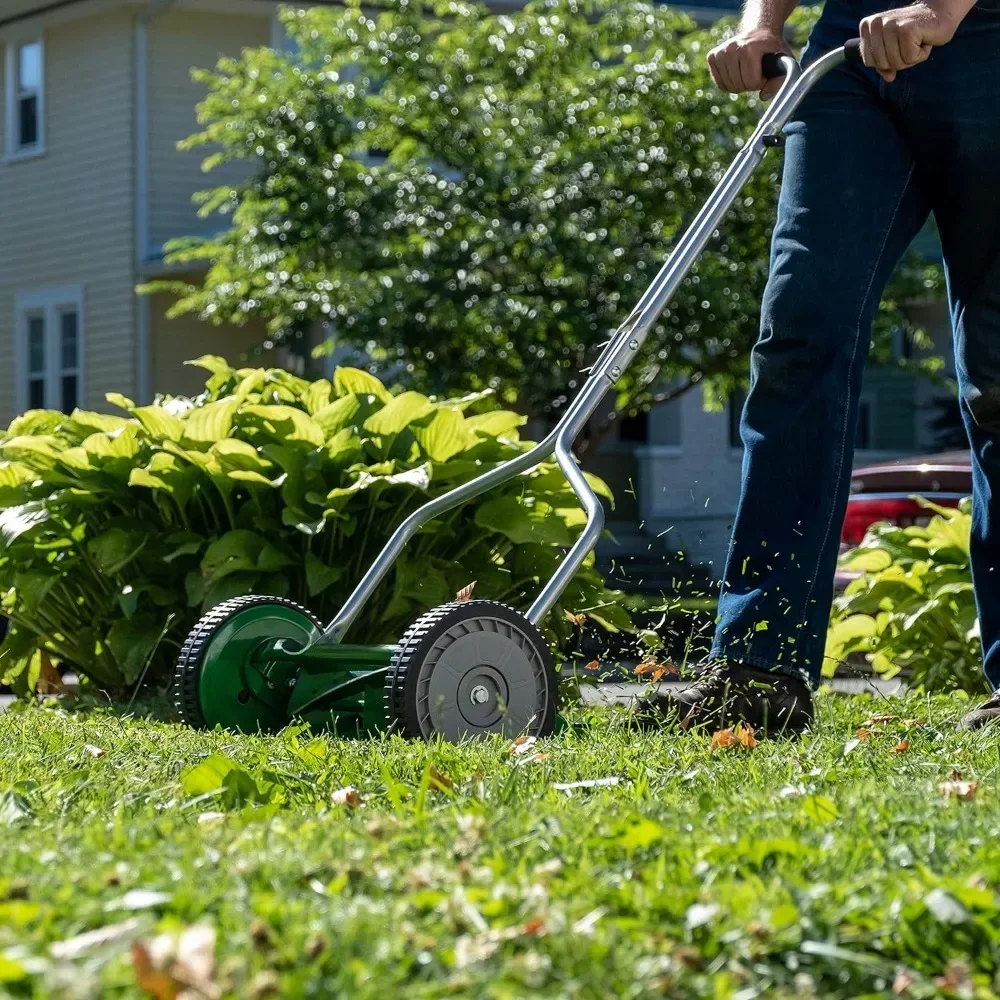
x: 265, y: 984
x: 439, y: 780
x: 646, y: 667
x: 575, y: 618
x: 348, y: 796
x: 75, y: 947
x: 723, y: 738
x: 260, y: 934
x: 742, y: 736
x: 94, y: 751
x: 177, y: 967
x: 49, y: 680
x: 956, y: 978
x: 522, y: 745
x: 658, y: 674
x: 901, y: 747
x: 315, y: 946
x: 533, y: 928
x: 879, y: 720
x: 902, y: 983
x: 863, y: 734
x: 465, y: 594
x: 964, y: 791
x: 593, y: 665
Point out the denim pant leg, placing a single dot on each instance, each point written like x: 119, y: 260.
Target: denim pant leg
x: 951, y: 113
x: 849, y: 207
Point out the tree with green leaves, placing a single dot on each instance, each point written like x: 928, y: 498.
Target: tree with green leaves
x: 475, y: 201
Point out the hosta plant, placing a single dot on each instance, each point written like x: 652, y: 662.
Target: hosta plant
x: 117, y: 532
x: 912, y: 606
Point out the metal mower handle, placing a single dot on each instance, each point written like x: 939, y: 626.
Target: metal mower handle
x: 775, y: 64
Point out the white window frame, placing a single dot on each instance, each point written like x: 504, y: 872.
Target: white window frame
x: 12, y: 148
x: 50, y: 303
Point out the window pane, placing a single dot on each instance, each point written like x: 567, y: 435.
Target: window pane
x: 68, y: 325
x: 30, y: 67
x: 36, y: 345
x: 28, y: 124
x: 36, y: 394
x: 69, y: 393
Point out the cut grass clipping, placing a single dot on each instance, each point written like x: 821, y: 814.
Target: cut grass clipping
x: 141, y: 859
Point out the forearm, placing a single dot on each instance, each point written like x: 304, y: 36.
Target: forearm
x: 953, y: 11
x: 771, y: 15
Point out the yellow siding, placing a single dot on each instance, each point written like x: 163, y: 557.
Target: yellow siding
x: 172, y: 342
x: 66, y: 217
x: 179, y: 40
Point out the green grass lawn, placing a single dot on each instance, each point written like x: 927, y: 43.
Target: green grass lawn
x: 828, y: 867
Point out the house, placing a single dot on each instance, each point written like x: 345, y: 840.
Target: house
x: 94, y: 96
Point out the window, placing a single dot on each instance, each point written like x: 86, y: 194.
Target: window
x: 50, y: 349
x: 25, y: 90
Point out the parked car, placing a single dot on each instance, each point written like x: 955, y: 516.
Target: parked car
x: 885, y: 491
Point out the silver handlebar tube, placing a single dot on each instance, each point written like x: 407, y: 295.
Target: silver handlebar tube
x: 614, y: 359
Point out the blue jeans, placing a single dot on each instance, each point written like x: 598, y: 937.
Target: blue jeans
x: 865, y: 164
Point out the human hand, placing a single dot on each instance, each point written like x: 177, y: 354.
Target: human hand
x: 898, y: 39
x: 736, y: 63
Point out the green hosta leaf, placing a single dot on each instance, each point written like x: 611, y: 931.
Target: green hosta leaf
x: 399, y: 413
x: 235, y: 454
x: 210, y: 423
x: 18, y: 647
x: 122, y: 402
x: 250, y: 386
x: 38, y: 453
x: 32, y: 589
x: 419, y: 582
x: 347, y: 380
x: 159, y: 424
x: 35, y: 423
x: 114, y: 550
x: 85, y: 422
x: 317, y: 396
x: 496, y: 423
x: 132, y: 642
x: 235, y: 551
x: 319, y: 576
x: 612, y: 617
x: 338, y: 415
x: 286, y: 423
x: 552, y: 481
x: 523, y: 522
x: 212, y: 363
x: 464, y: 402
x: 123, y: 444
x: 18, y: 521
x: 444, y: 435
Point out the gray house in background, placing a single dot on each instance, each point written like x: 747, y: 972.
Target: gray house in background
x: 95, y: 95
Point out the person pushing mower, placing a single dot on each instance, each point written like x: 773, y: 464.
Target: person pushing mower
x: 872, y: 151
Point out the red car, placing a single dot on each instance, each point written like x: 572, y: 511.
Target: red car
x: 885, y: 491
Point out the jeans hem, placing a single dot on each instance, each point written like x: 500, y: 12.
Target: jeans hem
x: 762, y: 663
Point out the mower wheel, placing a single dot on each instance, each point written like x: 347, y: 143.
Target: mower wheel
x: 469, y: 669
x: 216, y: 682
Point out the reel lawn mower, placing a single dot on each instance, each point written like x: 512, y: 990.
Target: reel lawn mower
x: 468, y: 668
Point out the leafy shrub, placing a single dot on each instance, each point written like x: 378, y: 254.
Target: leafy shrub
x: 912, y: 607
x: 116, y: 532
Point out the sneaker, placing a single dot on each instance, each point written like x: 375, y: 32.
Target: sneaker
x: 724, y: 694
x: 988, y: 712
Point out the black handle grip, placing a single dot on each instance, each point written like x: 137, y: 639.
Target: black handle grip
x: 852, y: 51
x: 770, y: 66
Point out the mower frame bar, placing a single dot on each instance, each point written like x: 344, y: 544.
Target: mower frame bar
x: 614, y: 359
